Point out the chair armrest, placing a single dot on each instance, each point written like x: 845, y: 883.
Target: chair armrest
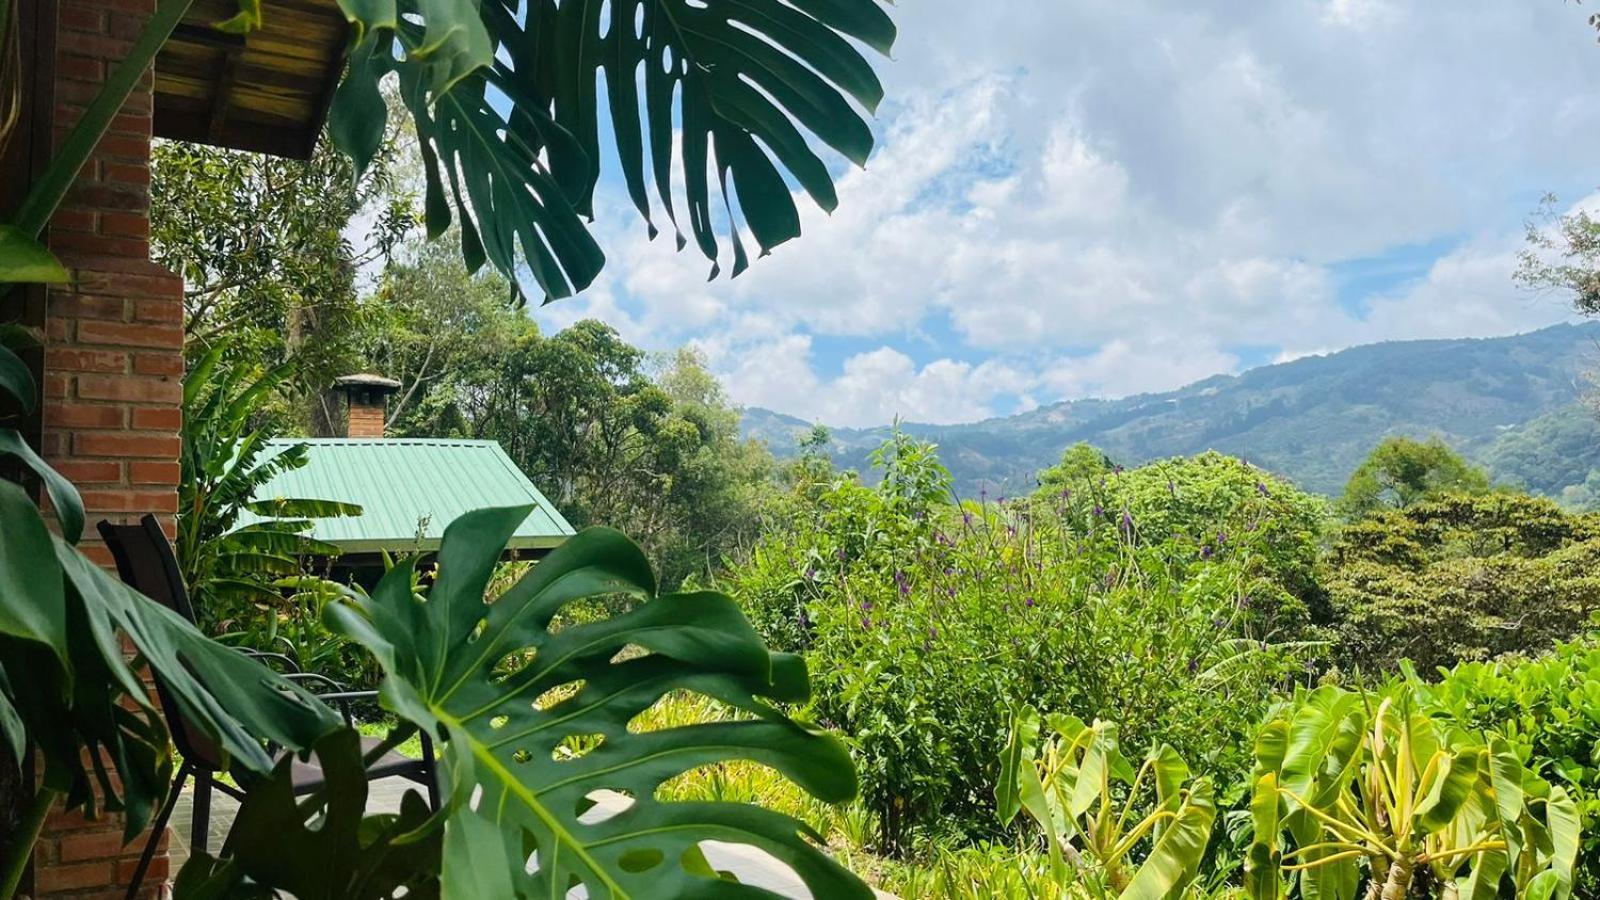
x: 315, y: 678
x: 263, y: 655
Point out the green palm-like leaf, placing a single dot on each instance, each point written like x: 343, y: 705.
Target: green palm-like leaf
x: 17, y: 380
x: 63, y: 496
x: 71, y: 689
x: 1175, y: 859
x: 25, y: 260
x: 513, y: 793
x: 507, y: 106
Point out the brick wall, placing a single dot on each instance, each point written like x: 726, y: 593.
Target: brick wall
x: 113, y: 371
x: 365, y: 419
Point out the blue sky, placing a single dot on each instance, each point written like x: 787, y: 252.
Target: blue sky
x: 1103, y: 197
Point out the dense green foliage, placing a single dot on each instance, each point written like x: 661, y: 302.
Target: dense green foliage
x: 1401, y: 472
x: 1459, y: 578
x: 1356, y: 788
x: 1311, y: 420
x: 926, y: 622
x: 611, y: 435
x: 265, y: 249
x: 1557, y: 454
x: 1548, y: 708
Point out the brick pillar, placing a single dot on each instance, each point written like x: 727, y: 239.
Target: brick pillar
x: 113, y: 371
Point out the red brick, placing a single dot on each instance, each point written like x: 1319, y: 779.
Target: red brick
x: 73, y: 220
x: 127, y: 173
x: 56, y: 386
x: 82, y: 306
x: 107, y: 196
x: 68, y: 359
x: 123, y: 145
x: 90, y: 471
x: 168, y: 311
x: 158, y: 364
x: 130, y: 284
x: 79, y: 18
x: 125, y: 224
x: 126, y: 445
x: 118, y: 334
x: 158, y: 872
x: 91, y: 845
x: 50, y: 879
x: 94, y: 45
x: 69, y: 241
x: 98, y: 554
x: 134, y: 121
x: 139, y: 389
x: 80, y: 415
x: 163, y: 473
x: 157, y: 418
x: 130, y: 501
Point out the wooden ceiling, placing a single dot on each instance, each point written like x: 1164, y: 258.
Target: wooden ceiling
x: 267, y: 91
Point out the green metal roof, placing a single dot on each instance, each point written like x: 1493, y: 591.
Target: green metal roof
x: 402, y: 482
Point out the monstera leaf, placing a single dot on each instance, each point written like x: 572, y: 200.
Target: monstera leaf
x: 70, y: 688
x: 508, y: 113
x: 346, y: 856
x: 507, y: 688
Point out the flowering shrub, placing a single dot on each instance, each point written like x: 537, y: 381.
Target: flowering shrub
x: 925, y: 623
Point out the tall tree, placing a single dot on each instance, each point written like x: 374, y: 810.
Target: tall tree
x: 270, y: 249
x: 1400, y: 472
x: 1562, y: 254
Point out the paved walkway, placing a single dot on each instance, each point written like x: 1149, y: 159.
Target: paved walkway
x: 749, y: 864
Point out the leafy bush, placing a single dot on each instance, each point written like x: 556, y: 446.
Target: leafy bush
x: 1355, y: 787
x: 1097, y: 810
x: 926, y: 622
x: 1459, y: 578
x: 1548, y: 709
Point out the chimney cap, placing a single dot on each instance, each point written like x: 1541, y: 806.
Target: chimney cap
x: 367, y: 380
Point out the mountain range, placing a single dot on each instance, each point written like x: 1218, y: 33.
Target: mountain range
x: 1512, y: 404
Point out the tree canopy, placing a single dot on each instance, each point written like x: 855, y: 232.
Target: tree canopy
x: 1400, y: 472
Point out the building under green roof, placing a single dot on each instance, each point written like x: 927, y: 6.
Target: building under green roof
x: 409, y: 490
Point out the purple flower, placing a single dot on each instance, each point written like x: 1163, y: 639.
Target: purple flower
x: 1194, y: 665
x: 811, y: 573
x: 866, y: 606
x: 1218, y: 622
x: 1098, y: 512
x: 966, y: 518
x: 1031, y: 604
x: 1261, y: 488
x: 1127, y: 522
x: 1066, y: 494
x: 866, y: 622
x: 1205, y: 552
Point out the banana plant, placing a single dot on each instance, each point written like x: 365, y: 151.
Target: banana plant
x: 532, y: 713
x: 229, y: 565
x: 1354, y: 787
x: 1097, y: 810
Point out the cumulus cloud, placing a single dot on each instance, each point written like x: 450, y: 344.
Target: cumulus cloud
x: 1102, y: 198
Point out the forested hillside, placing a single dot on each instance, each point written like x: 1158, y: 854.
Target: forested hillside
x: 1501, y: 401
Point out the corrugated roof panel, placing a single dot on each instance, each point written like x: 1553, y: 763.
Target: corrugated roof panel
x: 410, y: 486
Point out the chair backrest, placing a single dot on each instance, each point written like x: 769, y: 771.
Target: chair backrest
x: 146, y: 563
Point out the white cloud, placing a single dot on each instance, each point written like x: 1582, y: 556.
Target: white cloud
x: 1114, y: 196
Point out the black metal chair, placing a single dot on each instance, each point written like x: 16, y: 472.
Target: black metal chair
x: 146, y: 563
